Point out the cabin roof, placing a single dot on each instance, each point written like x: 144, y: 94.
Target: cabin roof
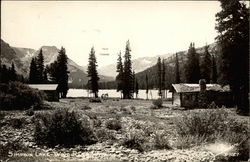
x: 183, y: 87
x: 44, y: 87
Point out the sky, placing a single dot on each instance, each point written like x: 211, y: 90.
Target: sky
x: 152, y: 27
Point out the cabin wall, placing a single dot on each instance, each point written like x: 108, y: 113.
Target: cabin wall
x: 176, y: 99
x: 189, y: 99
x: 52, y: 95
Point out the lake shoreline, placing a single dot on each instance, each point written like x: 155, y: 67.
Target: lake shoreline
x: 112, y: 93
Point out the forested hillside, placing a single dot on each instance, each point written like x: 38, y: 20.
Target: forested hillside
x: 170, y: 68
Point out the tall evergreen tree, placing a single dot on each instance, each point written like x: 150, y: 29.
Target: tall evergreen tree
x: 159, y: 76
x: 52, y: 70
x: 40, y: 66
x: 233, y: 28
x: 192, y: 70
x: 13, y: 75
x: 119, y: 77
x: 62, y: 73
x: 177, y: 71
x: 128, y: 76
x: 92, y: 73
x: 33, y: 72
x: 214, y: 74
x: 206, y: 65
x: 136, y: 88
x: 45, y: 75
x: 147, y: 85
x: 163, y: 75
x: 133, y: 83
x: 1, y: 75
x: 5, y: 74
x: 163, y: 78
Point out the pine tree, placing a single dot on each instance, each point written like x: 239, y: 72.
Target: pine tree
x: 192, y: 70
x: 62, y: 73
x: 133, y: 83
x: 177, y: 71
x: 45, y: 75
x: 13, y: 75
x: 136, y: 88
x: 233, y: 26
x: 214, y: 70
x: 92, y: 73
x: 33, y: 72
x: 1, y: 75
x: 159, y: 76
x: 206, y: 65
x: 128, y: 77
x: 52, y: 70
x: 163, y: 75
x: 5, y: 74
x: 40, y: 66
x: 147, y: 85
x: 119, y: 77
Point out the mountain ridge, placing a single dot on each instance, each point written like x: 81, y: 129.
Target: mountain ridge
x: 21, y: 57
x: 138, y: 65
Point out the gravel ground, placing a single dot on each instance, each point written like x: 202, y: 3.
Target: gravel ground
x: 24, y: 148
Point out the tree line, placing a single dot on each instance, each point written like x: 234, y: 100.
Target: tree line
x: 56, y: 73
x: 126, y: 82
x: 9, y: 74
x: 233, y: 40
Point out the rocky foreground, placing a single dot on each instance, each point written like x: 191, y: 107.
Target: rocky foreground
x: 17, y: 143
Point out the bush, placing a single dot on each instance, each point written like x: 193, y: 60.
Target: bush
x: 10, y: 147
x: 97, y: 123
x: 114, y: 124
x: 161, y: 140
x: 135, y: 139
x: 126, y: 110
x: 104, y: 135
x: 114, y: 110
x: 86, y: 107
x: 16, y: 95
x: 212, y: 105
x: 95, y: 100
x: 204, y: 123
x: 187, y: 141
x: 142, y: 136
x: 30, y: 112
x: 2, y: 115
x: 133, y: 108
x: 157, y: 103
x: 64, y: 127
x: 209, y: 126
x: 17, y: 123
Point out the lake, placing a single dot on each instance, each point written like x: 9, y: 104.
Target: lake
x: 152, y: 94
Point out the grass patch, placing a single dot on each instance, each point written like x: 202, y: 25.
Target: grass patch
x: 208, y: 126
